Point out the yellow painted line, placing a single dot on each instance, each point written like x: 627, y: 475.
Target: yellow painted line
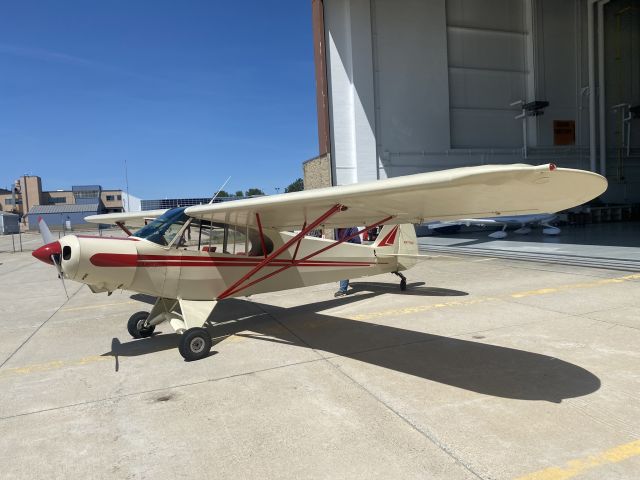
x: 582, y: 465
x: 235, y: 338
x: 53, y: 365
x: 576, y: 286
x: 420, y: 308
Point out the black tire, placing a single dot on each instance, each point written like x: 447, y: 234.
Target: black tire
x: 403, y: 284
x: 195, y: 344
x: 136, y: 326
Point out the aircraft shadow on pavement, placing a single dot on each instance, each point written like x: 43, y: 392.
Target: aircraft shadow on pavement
x: 135, y: 348
x: 414, y: 288
x: 475, y: 366
x: 144, y: 298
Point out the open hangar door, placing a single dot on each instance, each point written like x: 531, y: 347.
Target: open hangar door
x: 408, y: 86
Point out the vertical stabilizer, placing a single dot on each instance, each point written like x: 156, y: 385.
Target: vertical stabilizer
x: 398, y: 240
x: 388, y: 237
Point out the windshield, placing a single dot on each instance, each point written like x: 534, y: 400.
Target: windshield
x: 163, y: 229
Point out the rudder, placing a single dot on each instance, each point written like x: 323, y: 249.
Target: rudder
x: 399, y: 240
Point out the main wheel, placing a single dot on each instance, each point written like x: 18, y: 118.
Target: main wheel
x: 136, y: 325
x: 195, y: 344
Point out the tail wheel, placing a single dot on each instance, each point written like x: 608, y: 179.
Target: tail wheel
x: 195, y: 344
x: 137, y: 325
x: 403, y: 280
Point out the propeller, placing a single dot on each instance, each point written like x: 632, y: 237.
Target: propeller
x: 56, y: 262
x: 52, y: 250
x: 47, y: 237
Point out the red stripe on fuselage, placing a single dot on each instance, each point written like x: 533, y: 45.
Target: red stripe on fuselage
x: 131, y: 260
x: 114, y: 260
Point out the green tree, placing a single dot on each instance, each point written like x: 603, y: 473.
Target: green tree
x: 239, y: 193
x: 296, y: 186
x: 223, y: 193
x: 253, y: 191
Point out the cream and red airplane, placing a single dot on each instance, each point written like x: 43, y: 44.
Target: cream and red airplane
x: 191, y: 258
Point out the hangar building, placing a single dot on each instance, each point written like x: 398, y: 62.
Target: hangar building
x: 408, y: 86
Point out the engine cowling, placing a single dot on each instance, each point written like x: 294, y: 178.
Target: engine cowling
x: 105, y: 264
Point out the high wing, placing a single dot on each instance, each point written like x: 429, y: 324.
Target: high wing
x: 130, y: 219
x: 470, y: 192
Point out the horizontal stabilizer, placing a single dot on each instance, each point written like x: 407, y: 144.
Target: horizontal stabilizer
x: 409, y: 255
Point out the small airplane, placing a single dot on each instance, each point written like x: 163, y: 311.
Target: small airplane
x: 521, y: 221
x: 191, y: 258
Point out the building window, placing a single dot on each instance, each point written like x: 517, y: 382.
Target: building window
x: 58, y: 199
x: 110, y: 198
x: 119, y: 197
x: 9, y: 201
x: 86, y: 193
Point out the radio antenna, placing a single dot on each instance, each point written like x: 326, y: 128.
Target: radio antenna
x: 219, y: 190
x: 126, y: 180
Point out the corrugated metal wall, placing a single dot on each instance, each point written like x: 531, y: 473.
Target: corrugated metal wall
x: 57, y: 220
x: 487, y: 54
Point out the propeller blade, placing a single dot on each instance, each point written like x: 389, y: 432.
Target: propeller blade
x: 47, y: 237
x: 49, y: 247
x: 56, y: 261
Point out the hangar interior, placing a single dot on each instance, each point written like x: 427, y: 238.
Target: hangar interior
x: 408, y: 86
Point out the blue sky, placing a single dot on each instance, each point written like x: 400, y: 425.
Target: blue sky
x: 188, y: 93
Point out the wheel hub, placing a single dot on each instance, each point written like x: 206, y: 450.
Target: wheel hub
x: 196, y: 345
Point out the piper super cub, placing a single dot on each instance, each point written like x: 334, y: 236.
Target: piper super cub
x: 191, y: 258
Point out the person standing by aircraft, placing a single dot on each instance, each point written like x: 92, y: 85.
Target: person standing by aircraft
x: 343, y: 233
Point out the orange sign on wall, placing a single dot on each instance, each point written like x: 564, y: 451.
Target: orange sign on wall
x: 564, y: 132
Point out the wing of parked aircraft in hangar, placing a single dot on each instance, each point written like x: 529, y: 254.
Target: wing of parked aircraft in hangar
x: 482, y: 191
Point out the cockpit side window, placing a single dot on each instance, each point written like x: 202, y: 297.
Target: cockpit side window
x: 202, y: 235
x: 163, y: 229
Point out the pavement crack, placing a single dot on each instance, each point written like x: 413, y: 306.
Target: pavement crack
x: 608, y: 322
x: 39, y: 327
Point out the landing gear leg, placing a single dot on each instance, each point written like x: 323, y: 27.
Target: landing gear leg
x: 403, y: 281
x: 142, y: 324
x: 138, y: 326
x: 195, y: 341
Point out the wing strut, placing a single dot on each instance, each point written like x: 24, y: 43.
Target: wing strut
x: 264, y: 247
x: 295, y: 253
x: 346, y: 239
x: 241, y: 285
x: 123, y: 228
x: 273, y: 255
